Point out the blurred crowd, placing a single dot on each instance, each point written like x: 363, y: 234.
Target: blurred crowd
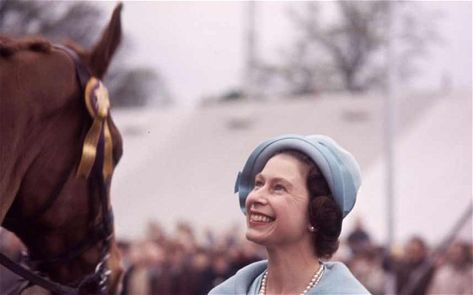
x: 184, y: 262
x: 414, y: 268
x: 187, y: 262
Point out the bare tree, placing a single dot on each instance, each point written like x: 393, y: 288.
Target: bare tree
x: 75, y: 20
x: 347, y: 51
x: 80, y: 21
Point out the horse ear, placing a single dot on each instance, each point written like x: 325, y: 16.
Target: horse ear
x: 103, y: 51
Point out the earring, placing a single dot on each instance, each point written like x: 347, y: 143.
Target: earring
x: 312, y: 229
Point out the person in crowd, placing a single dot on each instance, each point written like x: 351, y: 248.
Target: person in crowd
x: 199, y: 273
x: 414, y: 272
x: 295, y: 191
x: 139, y: 261
x: 366, y: 265
x: 156, y: 233
x: 358, y: 239
x: 455, y: 275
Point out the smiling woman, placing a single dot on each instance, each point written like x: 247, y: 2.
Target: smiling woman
x: 295, y: 192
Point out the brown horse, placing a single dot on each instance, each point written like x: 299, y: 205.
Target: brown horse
x: 57, y: 157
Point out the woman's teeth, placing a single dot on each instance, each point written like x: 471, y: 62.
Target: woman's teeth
x: 260, y: 218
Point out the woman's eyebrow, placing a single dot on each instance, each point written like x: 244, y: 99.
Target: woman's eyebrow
x: 274, y: 179
x: 283, y: 180
x: 259, y: 175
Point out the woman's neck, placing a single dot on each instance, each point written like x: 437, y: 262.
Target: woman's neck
x: 290, y: 269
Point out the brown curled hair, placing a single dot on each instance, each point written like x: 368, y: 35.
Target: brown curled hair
x: 324, y: 214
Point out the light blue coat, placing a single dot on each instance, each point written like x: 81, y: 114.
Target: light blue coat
x: 337, y: 279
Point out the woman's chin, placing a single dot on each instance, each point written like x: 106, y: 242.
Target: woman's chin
x: 255, y: 237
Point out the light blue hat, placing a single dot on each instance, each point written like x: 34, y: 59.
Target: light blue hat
x: 337, y: 165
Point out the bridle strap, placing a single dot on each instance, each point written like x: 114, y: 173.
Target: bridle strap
x: 35, y: 278
x: 83, y: 74
x: 103, y: 233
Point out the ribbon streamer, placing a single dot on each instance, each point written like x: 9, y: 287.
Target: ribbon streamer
x: 98, y: 106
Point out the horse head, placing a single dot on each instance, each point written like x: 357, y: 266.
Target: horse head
x: 58, y: 150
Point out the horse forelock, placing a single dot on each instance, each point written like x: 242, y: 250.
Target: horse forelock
x: 9, y: 46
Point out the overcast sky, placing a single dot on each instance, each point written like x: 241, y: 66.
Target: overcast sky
x: 198, y: 47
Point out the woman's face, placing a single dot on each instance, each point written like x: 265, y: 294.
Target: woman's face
x: 277, y: 206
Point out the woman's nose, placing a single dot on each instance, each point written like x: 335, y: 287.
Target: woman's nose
x: 257, y: 197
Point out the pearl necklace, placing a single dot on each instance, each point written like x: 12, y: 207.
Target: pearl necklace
x: 313, y: 282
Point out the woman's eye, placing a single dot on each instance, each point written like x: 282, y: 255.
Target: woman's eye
x: 279, y: 188
x: 258, y: 184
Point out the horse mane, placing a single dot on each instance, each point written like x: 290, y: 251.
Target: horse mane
x: 9, y: 46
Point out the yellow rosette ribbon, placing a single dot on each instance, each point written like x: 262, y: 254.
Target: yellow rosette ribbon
x: 98, y: 106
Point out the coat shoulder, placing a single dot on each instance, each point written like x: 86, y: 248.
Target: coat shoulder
x: 241, y: 281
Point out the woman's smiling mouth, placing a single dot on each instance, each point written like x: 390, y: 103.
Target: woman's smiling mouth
x: 260, y: 218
